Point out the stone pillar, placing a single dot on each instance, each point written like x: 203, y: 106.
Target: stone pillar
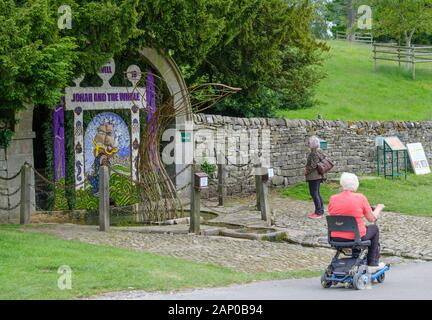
x: 177, y: 87
x: 264, y: 202
x: 11, y: 161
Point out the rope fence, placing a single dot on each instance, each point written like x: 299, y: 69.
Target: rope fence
x: 57, y: 184
x: 104, y: 207
x: 49, y: 197
x: 9, y: 208
x: 10, y: 194
x: 11, y: 178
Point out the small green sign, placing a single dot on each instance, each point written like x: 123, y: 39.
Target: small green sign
x: 185, y: 136
x: 323, y: 144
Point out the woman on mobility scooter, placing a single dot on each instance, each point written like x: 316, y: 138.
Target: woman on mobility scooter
x: 350, y: 203
x: 352, y: 240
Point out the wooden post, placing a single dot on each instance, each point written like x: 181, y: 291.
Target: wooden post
x: 414, y: 71
x: 25, y: 194
x: 257, y: 169
x: 104, y: 217
x: 263, y: 196
x: 221, y: 183
x: 398, y: 49
x: 374, y: 49
x: 413, y: 63
x: 195, y: 210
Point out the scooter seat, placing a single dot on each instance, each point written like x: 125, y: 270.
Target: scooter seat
x: 349, y: 244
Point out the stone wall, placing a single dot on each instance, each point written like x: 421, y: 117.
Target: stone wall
x: 11, y: 160
x: 351, y: 145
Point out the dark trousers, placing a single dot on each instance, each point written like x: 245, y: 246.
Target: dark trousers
x: 372, y: 234
x: 314, y: 190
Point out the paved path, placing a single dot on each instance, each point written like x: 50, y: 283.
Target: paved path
x: 400, y: 235
x: 406, y: 281
x: 236, y: 254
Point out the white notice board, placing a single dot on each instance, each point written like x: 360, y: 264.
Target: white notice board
x: 418, y: 158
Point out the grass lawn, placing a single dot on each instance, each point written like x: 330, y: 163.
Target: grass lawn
x: 411, y: 196
x: 353, y: 91
x: 29, y: 262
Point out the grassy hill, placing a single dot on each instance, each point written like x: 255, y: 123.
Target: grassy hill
x: 353, y: 91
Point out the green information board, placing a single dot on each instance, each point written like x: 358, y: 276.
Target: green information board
x: 391, y: 149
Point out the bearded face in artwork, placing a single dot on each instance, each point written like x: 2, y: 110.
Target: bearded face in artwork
x: 105, y: 135
x: 104, y: 149
x: 104, y: 142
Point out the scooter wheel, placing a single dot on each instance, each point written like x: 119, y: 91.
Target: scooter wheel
x: 381, y: 278
x: 360, y: 281
x: 325, y: 283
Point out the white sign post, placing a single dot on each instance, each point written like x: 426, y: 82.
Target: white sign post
x: 418, y: 158
x: 270, y: 172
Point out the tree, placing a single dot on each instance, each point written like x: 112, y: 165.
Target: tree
x: 342, y: 14
x: 38, y: 60
x: 268, y: 50
x: 35, y: 61
x: 265, y: 47
x: 320, y: 24
x: 402, y: 19
x: 260, y: 46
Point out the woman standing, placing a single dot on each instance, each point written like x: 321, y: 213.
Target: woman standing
x: 313, y: 177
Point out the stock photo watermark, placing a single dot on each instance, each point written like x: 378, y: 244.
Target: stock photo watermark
x: 65, y: 19
x: 216, y: 145
x: 64, y: 282
x: 365, y: 20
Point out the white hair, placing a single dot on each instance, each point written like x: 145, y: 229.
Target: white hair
x: 314, y: 142
x: 349, y: 181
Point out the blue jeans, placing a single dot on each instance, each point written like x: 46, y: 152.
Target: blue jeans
x: 314, y: 190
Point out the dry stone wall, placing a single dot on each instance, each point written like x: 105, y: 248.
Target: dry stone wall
x: 351, y: 145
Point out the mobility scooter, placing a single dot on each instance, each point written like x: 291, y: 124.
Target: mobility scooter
x: 349, y: 265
